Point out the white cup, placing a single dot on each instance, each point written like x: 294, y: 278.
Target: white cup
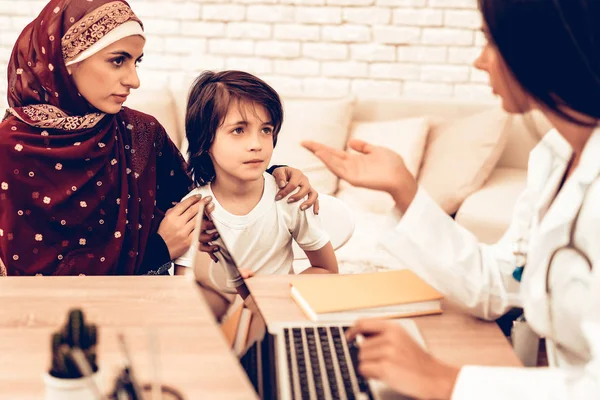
x: 70, y: 389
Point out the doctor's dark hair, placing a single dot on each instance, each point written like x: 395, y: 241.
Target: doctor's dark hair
x: 552, y: 48
x: 210, y: 97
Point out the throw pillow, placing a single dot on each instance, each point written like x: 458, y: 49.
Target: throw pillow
x: 322, y: 120
x: 460, y: 156
x: 406, y: 137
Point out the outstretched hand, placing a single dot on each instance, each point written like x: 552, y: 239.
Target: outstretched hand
x: 372, y: 167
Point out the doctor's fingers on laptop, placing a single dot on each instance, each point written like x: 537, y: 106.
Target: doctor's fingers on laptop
x: 388, y: 353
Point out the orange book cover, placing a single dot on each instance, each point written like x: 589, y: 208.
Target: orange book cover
x: 324, y: 294
x: 230, y: 325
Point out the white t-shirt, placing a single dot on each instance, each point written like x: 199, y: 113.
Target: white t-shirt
x: 261, y: 241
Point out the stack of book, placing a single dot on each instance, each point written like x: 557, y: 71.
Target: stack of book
x: 235, y: 328
x: 345, y: 298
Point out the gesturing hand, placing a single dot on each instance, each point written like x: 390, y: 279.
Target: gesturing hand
x: 372, y: 167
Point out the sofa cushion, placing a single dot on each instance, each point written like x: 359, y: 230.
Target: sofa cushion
x: 362, y: 253
x: 180, y: 98
x: 159, y: 104
x: 406, y: 137
x: 524, y: 133
x: 323, y: 120
x: 488, y: 212
x: 460, y: 155
x: 392, y: 108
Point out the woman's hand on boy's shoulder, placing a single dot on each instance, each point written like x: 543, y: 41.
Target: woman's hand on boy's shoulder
x: 177, y: 226
x: 289, y: 179
x: 179, y: 222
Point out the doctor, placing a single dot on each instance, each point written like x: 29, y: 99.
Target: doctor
x: 541, y: 54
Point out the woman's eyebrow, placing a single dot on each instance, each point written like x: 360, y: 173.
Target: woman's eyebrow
x: 121, y: 53
x: 125, y: 54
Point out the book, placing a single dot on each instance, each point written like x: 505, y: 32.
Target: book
x: 345, y: 298
x: 230, y: 324
x: 241, y: 338
x: 236, y: 328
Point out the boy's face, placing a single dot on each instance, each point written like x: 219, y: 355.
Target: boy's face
x: 243, y: 144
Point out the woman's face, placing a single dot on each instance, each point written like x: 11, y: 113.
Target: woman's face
x: 106, y: 78
x: 514, y: 99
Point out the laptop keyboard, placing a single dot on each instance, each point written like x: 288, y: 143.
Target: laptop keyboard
x: 323, y: 365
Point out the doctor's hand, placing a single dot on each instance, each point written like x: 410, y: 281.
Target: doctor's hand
x: 373, y: 167
x: 388, y: 354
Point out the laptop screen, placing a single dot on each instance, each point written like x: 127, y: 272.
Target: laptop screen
x: 254, y: 349
x: 230, y: 279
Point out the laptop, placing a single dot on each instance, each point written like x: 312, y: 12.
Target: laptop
x: 300, y: 359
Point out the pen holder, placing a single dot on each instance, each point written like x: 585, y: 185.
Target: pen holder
x: 73, y: 372
x: 70, y: 389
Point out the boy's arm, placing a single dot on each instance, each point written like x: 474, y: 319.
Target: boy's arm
x: 309, y: 233
x: 180, y: 270
x: 184, y: 263
x: 322, y: 261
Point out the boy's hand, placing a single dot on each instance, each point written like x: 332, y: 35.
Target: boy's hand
x: 288, y: 179
x: 246, y: 273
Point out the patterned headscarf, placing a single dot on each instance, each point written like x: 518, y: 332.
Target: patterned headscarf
x: 80, y: 191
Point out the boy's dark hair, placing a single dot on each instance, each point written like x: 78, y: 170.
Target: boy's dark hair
x: 208, y: 102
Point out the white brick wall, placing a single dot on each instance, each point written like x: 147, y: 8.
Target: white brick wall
x: 410, y: 48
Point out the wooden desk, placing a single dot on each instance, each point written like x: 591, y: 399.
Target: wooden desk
x: 193, y: 353
x: 453, y: 336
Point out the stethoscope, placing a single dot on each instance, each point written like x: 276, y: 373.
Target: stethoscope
x: 520, y: 253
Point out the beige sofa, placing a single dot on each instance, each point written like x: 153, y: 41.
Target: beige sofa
x: 471, y: 141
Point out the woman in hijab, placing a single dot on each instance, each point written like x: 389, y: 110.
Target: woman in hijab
x: 85, y: 184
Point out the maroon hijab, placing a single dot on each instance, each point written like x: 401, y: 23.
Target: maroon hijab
x: 81, y: 191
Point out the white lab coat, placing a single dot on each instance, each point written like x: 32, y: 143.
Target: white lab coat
x: 479, y: 276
